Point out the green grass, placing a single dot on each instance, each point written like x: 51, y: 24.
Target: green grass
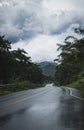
x: 19, y: 86
x: 79, y: 85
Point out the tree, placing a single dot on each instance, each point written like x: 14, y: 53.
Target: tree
x: 4, y: 44
x: 17, y: 64
x: 4, y: 59
x: 72, y: 60
x: 35, y: 73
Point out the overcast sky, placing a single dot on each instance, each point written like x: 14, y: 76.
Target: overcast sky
x: 38, y: 25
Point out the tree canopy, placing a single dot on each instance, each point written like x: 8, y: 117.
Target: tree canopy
x: 71, y: 59
x: 17, y: 64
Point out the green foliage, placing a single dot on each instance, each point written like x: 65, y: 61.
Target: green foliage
x: 19, y: 86
x: 71, y: 60
x: 16, y: 65
x: 4, y: 59
x: 79, y: 84
x: 48, y: 70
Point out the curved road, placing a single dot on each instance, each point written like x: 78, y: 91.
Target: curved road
x: 47, y: 108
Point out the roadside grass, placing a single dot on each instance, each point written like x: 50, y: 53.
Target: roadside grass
x: 78, y: 85
x: 4, y: 92
x: 19, y: 86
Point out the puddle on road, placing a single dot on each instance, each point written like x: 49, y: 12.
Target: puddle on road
x: 68, y: 115
x: 72, y: 114
x: 5, y: 119
x: 43, y: 109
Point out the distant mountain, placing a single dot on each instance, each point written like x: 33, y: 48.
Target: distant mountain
x: 48, y: 68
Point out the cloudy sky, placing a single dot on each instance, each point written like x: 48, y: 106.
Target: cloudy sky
x: 38, y: 25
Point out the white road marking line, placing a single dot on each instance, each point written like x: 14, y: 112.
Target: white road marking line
x: 74, y: 95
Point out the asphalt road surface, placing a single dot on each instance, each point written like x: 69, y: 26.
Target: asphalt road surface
x: 47, y: 108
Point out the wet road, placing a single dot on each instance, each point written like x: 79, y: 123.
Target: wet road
x: 47, y: 108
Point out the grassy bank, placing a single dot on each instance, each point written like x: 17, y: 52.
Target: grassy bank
x: 79, y: 85
x: 19, y: 86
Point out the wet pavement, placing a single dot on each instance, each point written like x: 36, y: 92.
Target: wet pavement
x: 47, y: 108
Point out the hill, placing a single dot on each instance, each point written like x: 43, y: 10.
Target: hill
x: 48, y: 68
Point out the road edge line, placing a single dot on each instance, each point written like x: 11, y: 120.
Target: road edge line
x: 70, y: 92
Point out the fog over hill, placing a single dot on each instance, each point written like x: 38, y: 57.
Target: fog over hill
x: 48, y: 68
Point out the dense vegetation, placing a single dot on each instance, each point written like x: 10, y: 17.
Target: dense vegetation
x: 48, y: 70
x: 16, y: 66
x: 70, y: 68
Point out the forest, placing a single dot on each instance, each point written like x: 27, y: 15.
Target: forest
x: 70, y: 62
x: 19, y: 72
x: 17, y: 69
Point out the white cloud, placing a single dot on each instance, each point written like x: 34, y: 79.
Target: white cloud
x: 31, y: 17
x: 43, y: 47
x: 40, y: 24
x: 69, y: 5
x: 40, y: 48
x: 4, y: 3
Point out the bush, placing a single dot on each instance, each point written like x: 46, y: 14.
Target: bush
x: 79, y: 85
x: 19, y: 86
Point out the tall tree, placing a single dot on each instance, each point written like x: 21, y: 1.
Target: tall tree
x: 72, y: 60
x: 4, y: 59
x: 17, y: 64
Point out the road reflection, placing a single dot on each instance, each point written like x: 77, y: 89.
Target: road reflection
x: 72, y: 113
x: 53, y: 111
x: 6, y: 119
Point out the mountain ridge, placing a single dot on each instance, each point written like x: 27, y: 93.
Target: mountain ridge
x: 48, y: 68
